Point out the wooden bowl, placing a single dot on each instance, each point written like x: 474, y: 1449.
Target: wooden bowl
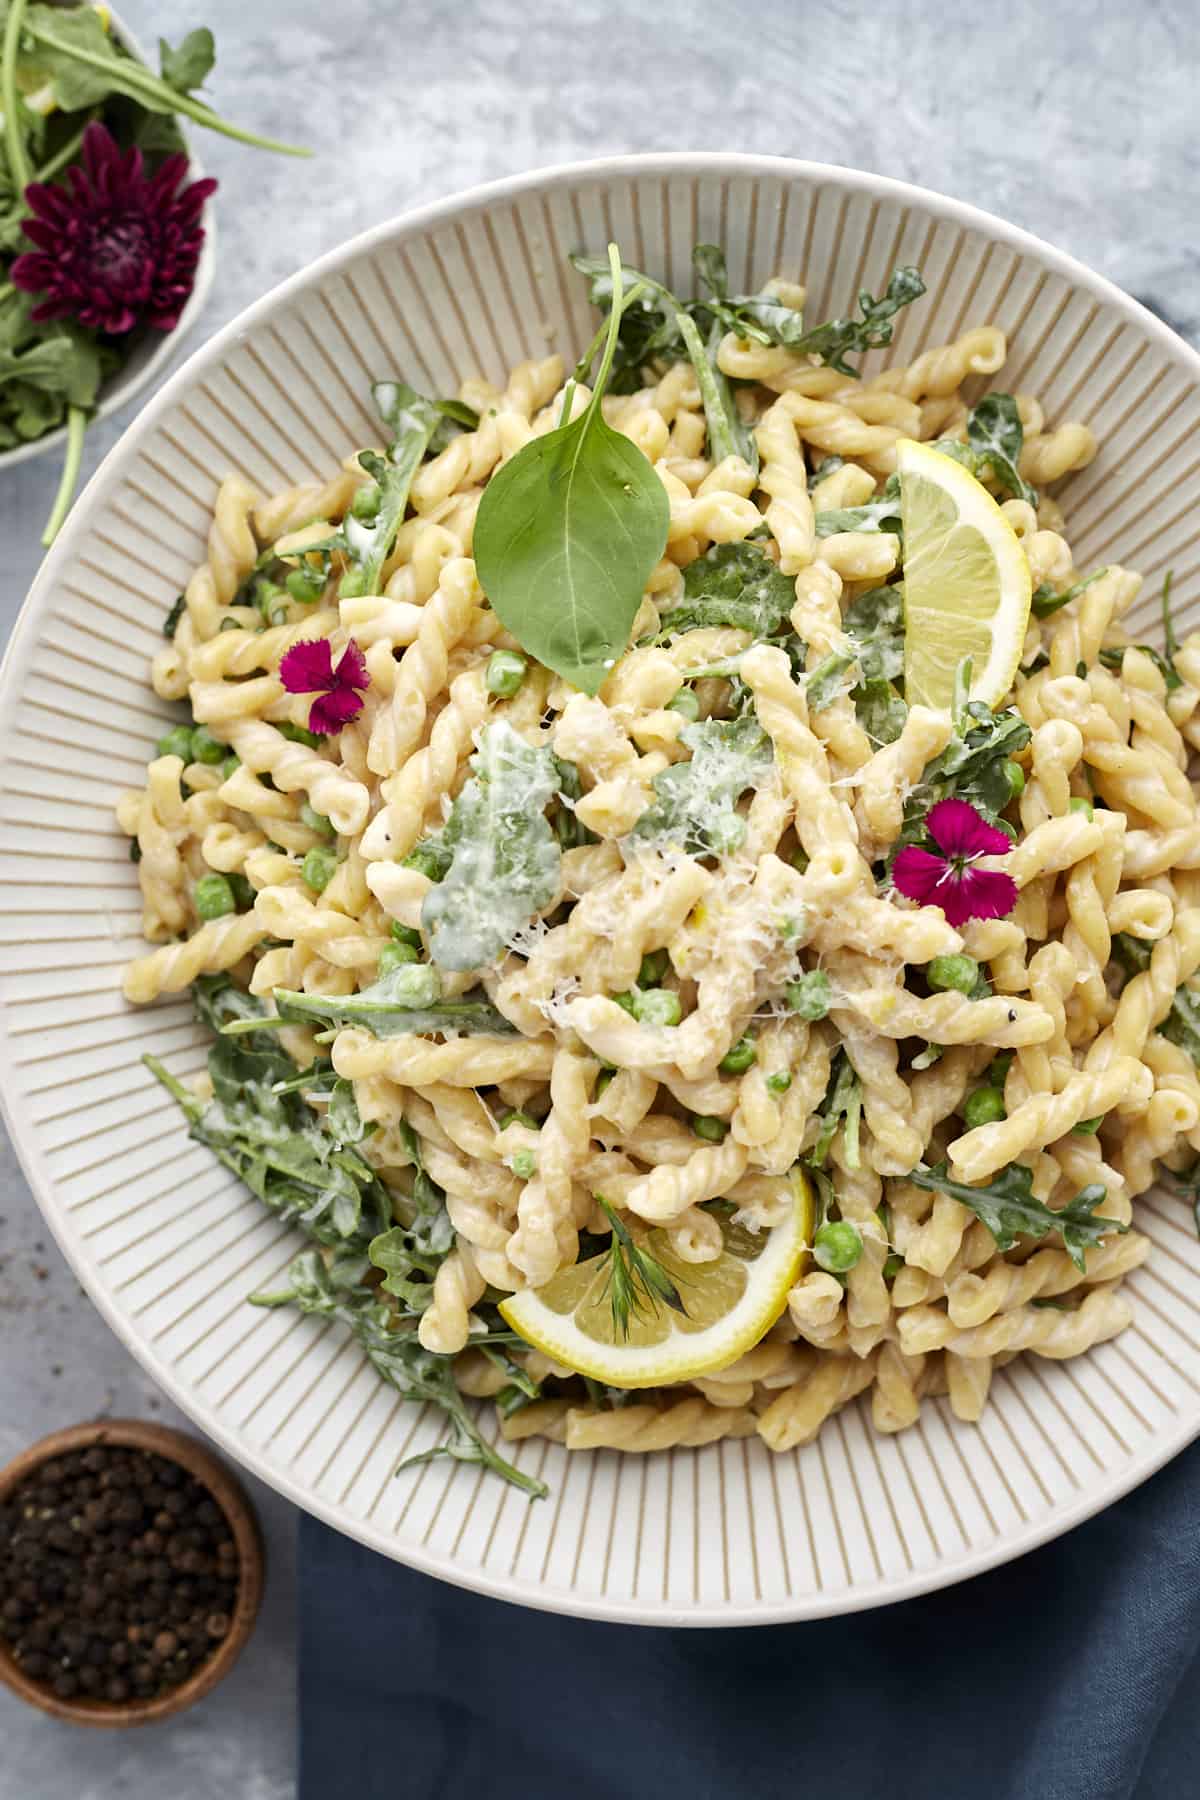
x: 199, y: 1462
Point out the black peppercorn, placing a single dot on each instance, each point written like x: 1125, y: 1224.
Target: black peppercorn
x: 118, y: 1574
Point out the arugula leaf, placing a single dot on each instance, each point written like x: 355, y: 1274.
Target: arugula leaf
x: 876, y: 515
x: 728, y: 435
x: 695, y: 804
x: 66, y: 364
x: 406, y: 1000
x: 832, y: 343
x: 1182, y: 1023
x: 1046, y: 602
x: 1009, y: 1210
x: 412, y: 421
x: 567, y: 533
x: 841, y: 1110
x: 995, y: 433
x: 306, y: 1174
x: 191, y: 64
x: 504, y: 857
x: 1114, y: 655
x: 85, y: 66
x: 732, y: 584
x: 764, y: 317
x: 875, y: 622
x: 828, y: 465
x: 826, y: 682
x: 170, y: 624
x: 395, y: 1352
x: 880, y: 710
x: 648, y: 327
x: 971, y: 767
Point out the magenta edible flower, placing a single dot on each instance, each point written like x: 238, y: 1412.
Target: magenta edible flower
x: 950, y: 879
x: 116, y: 247
x: 307, y: 668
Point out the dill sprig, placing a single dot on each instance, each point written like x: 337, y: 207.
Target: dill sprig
x: 635, y: 1280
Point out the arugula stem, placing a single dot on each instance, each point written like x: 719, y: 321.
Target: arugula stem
x: 580, y: 372
x: 77, y: 424
x: 18, y: 162
x: 67, y: 154
x: 142, y: 85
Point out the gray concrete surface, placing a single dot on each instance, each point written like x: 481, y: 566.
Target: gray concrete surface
x: 1074, y: 119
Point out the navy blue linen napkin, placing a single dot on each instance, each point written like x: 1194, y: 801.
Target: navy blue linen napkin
x: 1073, y: 1674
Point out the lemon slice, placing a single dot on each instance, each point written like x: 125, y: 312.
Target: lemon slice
x: 966, y: 582
x: 730, y: 1304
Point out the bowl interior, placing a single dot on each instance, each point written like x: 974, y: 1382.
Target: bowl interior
x: 169, y: 1244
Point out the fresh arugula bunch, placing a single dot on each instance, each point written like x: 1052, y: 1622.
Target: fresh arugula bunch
x: 306, y: 1169
x: 389, y: 1339
x: 1008, y: 1208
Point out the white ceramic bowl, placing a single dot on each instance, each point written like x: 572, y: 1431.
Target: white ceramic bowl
x: 168, y: 1244
x: 156, y: 348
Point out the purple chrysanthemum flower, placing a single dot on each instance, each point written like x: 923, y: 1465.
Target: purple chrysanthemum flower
x: 118, y: 247
x: 307, y: 668
x: 950, y: 880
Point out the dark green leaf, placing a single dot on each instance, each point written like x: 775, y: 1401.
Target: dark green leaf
x: 834, y: 342
x: 876, y: 515
x: 1182, y: 1023
x: 995, y: 434
x: 875, y: 622
x: 880, y: 710
x: 823, y: 686
x: 1046, y: 602
x: 1008, y: 1208
x: 566, y: 536
x: 404, y: 1001
x: 971, y: 767
x: 732, y: 584
x: 171, y: 622
x: 841, y: 1111
x: 728, y: 435
x: 411, y: 421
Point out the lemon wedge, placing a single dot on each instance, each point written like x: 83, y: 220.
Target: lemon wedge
x: 730, y: 1303
x: 967, y: 586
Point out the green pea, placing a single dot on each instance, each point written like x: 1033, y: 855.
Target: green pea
x: 997, y: 1069
x: 837, y: 1247
x: 810, y: 996
x: 212, y: 897
x: 413, y: 984
x: 514, y: 1117
x: 352, y: 585
x: 394, y: 956
x: 405, y: 934
x: 506, y: 671
x: 657, y: 1006
x: 1088, y: 1127
x: 305, y: 585
x: 176, y: 742
x: 984, y: 1107
x: 425, y: 862
x: 627, y: 1002
x: 654, y: 967
x: 892, y: 1266
x: 230, y: 766
x: 296, y: 734
x: 685, y: 703
x: 952, y: 974
x: 366, y: 502
x: 243, y: 892
x: 206, y: 748
x: 739, y: 1058
x: 318, y: 869
x: 1080, y: 805
x: 712, y: 1130
x: 1015, y: 776
x: 316, y: 821
x: 780, y: 1082
x: 524, y: 1163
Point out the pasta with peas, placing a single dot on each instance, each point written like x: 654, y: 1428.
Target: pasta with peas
x: 666, y: 1015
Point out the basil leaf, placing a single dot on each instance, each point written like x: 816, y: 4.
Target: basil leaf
x: 995, y: 434
x: 732, y: 584
x: 1008, y: 1208
x: 695, y: 805
x: 566, y: 536
x: 504, y: 856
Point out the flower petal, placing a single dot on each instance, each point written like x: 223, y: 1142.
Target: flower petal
x: 917, y: 873
x: 333, y: 710
x: 307, y: 668
x: 977, y: 894
x: 958, y: 830
x: 352, y: 669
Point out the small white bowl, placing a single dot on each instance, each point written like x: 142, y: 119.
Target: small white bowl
x: 168, y: 1243
x: 155, y: 348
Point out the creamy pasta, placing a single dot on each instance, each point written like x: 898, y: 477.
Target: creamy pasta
x: 645, y: 945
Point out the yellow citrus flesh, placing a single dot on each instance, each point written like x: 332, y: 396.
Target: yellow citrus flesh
x: 967, y: 586
x: 729, y: 1304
